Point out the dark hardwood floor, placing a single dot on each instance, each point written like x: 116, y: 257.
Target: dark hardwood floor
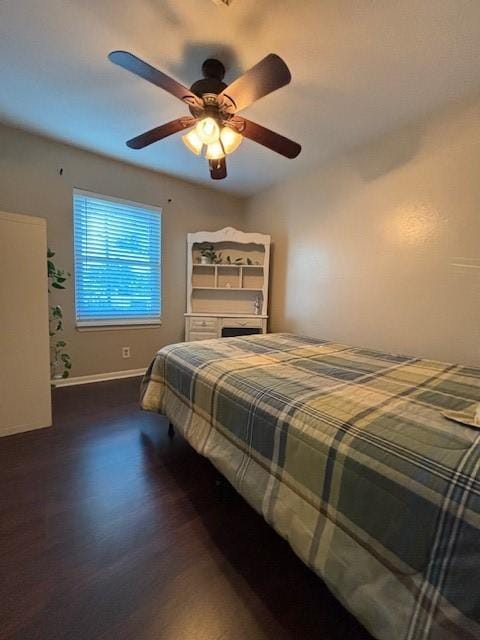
x: 110, y: 530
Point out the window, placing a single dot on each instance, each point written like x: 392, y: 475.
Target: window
x: 117, y: 247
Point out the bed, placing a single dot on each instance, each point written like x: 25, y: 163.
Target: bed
x: 346, y: 453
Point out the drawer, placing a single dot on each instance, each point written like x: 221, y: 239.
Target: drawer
x: 201, y: 335
x: 203, y: 324
x: 243, y: 322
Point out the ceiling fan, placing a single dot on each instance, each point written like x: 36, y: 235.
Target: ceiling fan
x: 214, y: 107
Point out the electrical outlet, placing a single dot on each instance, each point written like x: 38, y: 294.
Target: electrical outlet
x: 125, y: 352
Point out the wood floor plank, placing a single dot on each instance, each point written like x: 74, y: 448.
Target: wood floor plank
x: 111, y: 530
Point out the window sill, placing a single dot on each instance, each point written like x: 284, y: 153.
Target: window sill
x: 118, y: 327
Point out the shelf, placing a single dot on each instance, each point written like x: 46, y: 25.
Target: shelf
x: 214, y: 314
x: 228, y: 288
x: 229, y: 266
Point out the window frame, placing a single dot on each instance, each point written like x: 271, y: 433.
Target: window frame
x: 116, y: 323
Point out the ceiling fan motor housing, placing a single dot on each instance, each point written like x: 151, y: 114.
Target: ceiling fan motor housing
x: 209, y: 87
x: 212, y: 82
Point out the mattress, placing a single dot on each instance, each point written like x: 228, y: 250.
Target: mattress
x: 346, y: 453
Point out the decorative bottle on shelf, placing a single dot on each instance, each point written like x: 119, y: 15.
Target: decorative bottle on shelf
x: 256, y: 306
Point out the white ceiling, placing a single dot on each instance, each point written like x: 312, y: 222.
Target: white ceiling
x: 359, y: 67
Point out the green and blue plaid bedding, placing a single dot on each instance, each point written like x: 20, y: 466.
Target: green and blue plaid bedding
x: 346, y: 454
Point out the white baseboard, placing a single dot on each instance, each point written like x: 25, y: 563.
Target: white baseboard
x: 98, y: 377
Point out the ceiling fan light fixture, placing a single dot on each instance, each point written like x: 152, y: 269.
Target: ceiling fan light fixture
x: 212, y: 105
x: 230, y: 139
x: 193, y: 142
x: 215, y: 151
x: 208, y: 130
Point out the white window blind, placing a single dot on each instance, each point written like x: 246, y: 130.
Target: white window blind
x: 117, y: 247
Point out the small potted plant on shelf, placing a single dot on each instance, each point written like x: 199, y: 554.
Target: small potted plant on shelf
x: 208, y: 255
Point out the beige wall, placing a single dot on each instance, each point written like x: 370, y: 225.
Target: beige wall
x: 382, y: 247
x: 30, y: 183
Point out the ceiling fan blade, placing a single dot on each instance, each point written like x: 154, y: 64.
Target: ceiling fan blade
x: 267, y: 138
x: 158, y: 133
x: 266, y: 76
x: 140, y: 68
x: 218, y: 169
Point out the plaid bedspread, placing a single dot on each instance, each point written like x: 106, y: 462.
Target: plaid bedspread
x: 346, y: 454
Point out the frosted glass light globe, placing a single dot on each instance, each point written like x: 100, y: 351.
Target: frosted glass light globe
x: 230, y: 139
x: 192, y: 141
x: 208, y: 130
x: 214, y: 151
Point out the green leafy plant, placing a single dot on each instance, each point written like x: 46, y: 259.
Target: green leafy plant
x: 211, y: 255
x: 60, y: 362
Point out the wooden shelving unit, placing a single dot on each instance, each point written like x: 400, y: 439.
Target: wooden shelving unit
x: 228, y: 288
x: 224, y: 290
